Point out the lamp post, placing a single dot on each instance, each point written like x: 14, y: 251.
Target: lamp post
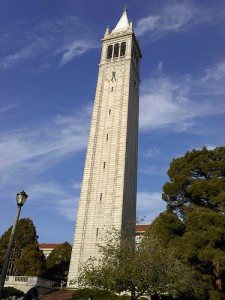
x: 20, y: 199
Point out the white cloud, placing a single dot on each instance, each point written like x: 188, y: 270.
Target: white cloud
x: 210, y: 147
x: 46, y: 190
x: 76, y: 48
x: 77, y: 185
x: 68, y: 208
x: 56, y: 196
x: 174, y: 17
x: 149, y: 205
x: 55, y: 38
x: 156, y: 171
x: 22, y: 54
x: 162, y: 103
x: 7, y: 108
x: 151, y: 152
x: 176, y: 104
x: 160, y: 66
x: 215, y: 73
x: 35, y: 150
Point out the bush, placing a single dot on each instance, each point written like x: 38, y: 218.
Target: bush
x: 11, y: 291
x: 97, y: 294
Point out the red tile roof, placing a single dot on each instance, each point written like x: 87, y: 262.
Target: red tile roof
x: 48, y: 245
x: 142, y: 227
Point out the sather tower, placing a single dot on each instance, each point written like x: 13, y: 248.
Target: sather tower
x: 108, y: 193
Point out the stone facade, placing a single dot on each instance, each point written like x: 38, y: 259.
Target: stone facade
x: 108, y: 192
x: 24, y: 283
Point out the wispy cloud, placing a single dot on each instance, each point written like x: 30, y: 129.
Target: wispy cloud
x: 149, y: 205
x: 174, y: 17
x: 8, y: 108
x: 76, y: 48
x: 215, y: 73
x: 37, y: 149
x: 151, y: 152
x: 51, y: 194
x: 76, y: 185
x: 176, y: 104
x: 50, y: 39
x: 156, y: 171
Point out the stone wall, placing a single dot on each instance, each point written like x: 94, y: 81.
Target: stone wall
x: 24, y: 283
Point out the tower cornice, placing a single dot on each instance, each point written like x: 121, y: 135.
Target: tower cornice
x: 112, y: 36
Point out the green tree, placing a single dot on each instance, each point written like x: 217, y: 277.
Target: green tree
x: 148, y: 269
x: 196, y: 194
x: 203, y: 243
x: 31, y: 261
x: 25, y: 236
x: 196, y: 180
x: 167, y: 227
x: 58, y: 261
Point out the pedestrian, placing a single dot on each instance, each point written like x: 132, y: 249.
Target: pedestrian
x: 62, y: 284
x: 32, y: 293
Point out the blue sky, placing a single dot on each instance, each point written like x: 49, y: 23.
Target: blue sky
x: 50, y: 52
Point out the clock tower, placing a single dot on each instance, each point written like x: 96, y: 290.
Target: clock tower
x: 109, y: 186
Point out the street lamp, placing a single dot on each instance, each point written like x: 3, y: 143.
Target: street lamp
x: 20, y: 200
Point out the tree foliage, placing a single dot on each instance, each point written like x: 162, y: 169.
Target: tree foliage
x: 197, y: 180
x: 166, y: 227
x: 31, y: 261
x: 148, y: 269
x: 205, y: 238
x: 25, y: 242
x: 196, y: 194
x: 58, y: 261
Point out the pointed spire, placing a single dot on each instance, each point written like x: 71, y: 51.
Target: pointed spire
x: 123, y: 23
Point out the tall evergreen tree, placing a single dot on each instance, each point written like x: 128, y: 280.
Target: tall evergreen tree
x: 196, y: 180
x: 31, y: 261
x: 25, y: 238
x: 196, y: 194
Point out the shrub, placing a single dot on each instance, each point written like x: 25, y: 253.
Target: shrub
x: 84, y: 294
x: 11, y: 291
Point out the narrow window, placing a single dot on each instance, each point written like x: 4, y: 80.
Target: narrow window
x: 116, y: 50
x: 123, y: 49
x: 134, y: 54
x: 112, y: 89
x: 109, y: 111
x: 97, y: 232
x: 107, y: 137
x: 109, y: 52
x: 104, y: 165
x: 101, y: 197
